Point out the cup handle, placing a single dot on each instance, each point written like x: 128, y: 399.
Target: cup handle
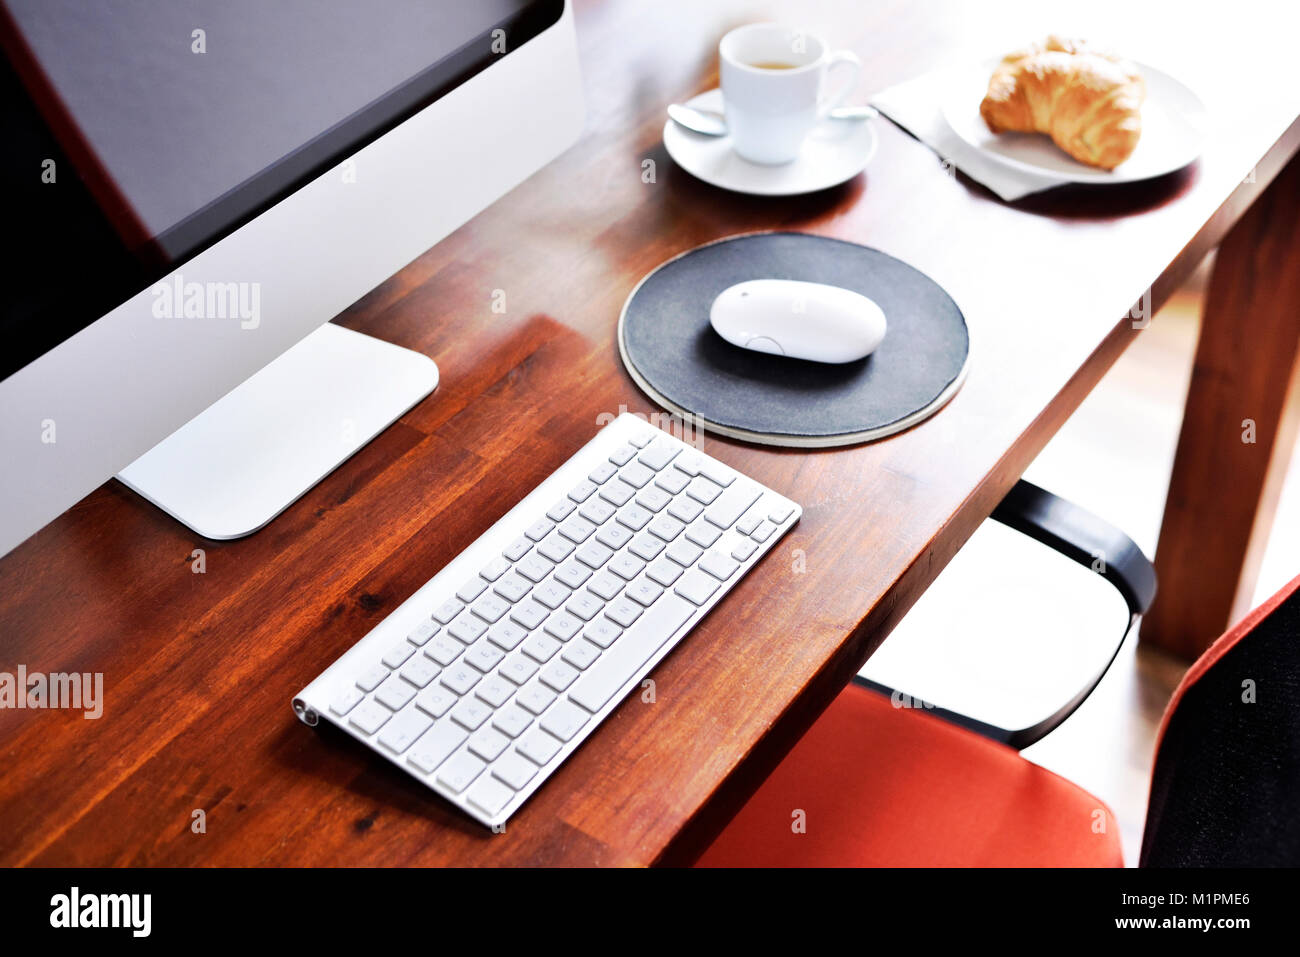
x: 840, y: 58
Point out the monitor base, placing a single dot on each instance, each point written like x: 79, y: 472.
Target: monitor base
x: 245, y: 459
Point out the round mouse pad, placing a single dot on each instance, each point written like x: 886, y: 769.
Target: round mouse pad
x: 673, y: 353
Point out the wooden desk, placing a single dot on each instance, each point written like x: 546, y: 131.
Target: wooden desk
x: 199, y: 668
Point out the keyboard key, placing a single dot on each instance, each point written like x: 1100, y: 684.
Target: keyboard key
x: 597, y: 511
x: 494, y: 568
x: 395, y: 693
x: 468, y: 629
x: 518, y: 549
x: 436, y: 746
x: 436, y: 701
x: 513, y: 587
x: 398, y: 654
x: 484, y: 656
x: 718, y: 565
x: 666, y: 528
x: 560, y: 510
x: 602, y: 632
x: 535, y: 698
x: 369, y: 717
x: 471, y: 713
x: 443, y: 650
x: 780, y: 513
x: 459, y: 773
x: 636, y: 475
x: 552, y: 594
x: 534, y: 568
x: 703, y: 491
x: 717, y: 472
x: 764, y: 531
x: 512, y: 721
x: 584, y: 605
x: 653, y: 499
x: 620, y: 663
x: 703, y: 534
x: 594, y: 554
x: 634, y: 517
x: 514, y: 770
x: 488, y: 744
x: 664, y: 572
x: 539, y: 747
x: 748, y: 523
x: 491, y: 608
x: 658, y: 455
x: 732, y: 504
x: 448, y: 610
x: 697, y: 587
x: 558, y: 676
x: 690, y: 464
x: 605, y: 586
x: 373, y: 678
x: 626, y: 566
x: 530, y: 614
x: 582, y: 491
x: 562, y: 625
x: 346, y: 701
x: 507, y: 635
x: 617, y: 492
x: 540, y: 529
x: 495, y: 690
x: 685, y: 510
x: 580, y: 655
x: 564, y: 720
x: 518, y: 669
x: 623, y: 612
x: 573, y: 574
x: 459, y: 678
x: 420, y: 672
x: 556, y: 548
x: 489, y: 795
x: 423, y: 633
x: 643, y: 438
x: 673, y: 481
x: 622, y: 455
x: 614, y: 536
x: 743, y: 550
x: 602, y: 473
x: 540, y: 647
x: 684, y: 553
x: 577, y: 530
x: 646, y: 546
x: 471, y: 589
x: 403, y: 730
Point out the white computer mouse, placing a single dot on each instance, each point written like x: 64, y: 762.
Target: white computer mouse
x: 803, y: 320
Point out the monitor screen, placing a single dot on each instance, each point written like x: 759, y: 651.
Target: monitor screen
x: 139, y: 132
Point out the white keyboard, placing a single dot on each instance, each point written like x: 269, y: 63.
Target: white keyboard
x: 489, y: 676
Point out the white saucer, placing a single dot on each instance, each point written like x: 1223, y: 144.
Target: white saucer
x: 835, y: 151
x: 1173, y: 131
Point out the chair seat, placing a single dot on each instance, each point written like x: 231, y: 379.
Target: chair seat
x: 896, y: 787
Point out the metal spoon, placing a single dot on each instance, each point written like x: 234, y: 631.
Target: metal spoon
x: 709, y: 123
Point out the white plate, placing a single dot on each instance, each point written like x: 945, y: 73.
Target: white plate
x: 1173, y: 131
x: 835, y: 151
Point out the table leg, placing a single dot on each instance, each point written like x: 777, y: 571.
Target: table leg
x: 1239, y: 427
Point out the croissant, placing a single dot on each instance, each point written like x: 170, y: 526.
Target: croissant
x: 1089, y: 102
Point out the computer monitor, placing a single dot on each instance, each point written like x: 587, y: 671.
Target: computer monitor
x: 199, y: 187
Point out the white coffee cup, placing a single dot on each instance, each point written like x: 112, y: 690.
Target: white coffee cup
x: 772, y: 88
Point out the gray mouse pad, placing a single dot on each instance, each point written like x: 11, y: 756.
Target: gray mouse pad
x: 672, y: 352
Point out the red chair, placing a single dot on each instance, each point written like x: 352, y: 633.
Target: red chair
x: 872, y: 784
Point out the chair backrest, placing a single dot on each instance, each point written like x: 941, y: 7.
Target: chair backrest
x: 1226, y: 786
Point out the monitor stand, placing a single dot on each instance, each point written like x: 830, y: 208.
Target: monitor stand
x: 246, y: 458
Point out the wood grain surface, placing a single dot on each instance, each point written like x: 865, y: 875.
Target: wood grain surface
x: 200, y: 668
